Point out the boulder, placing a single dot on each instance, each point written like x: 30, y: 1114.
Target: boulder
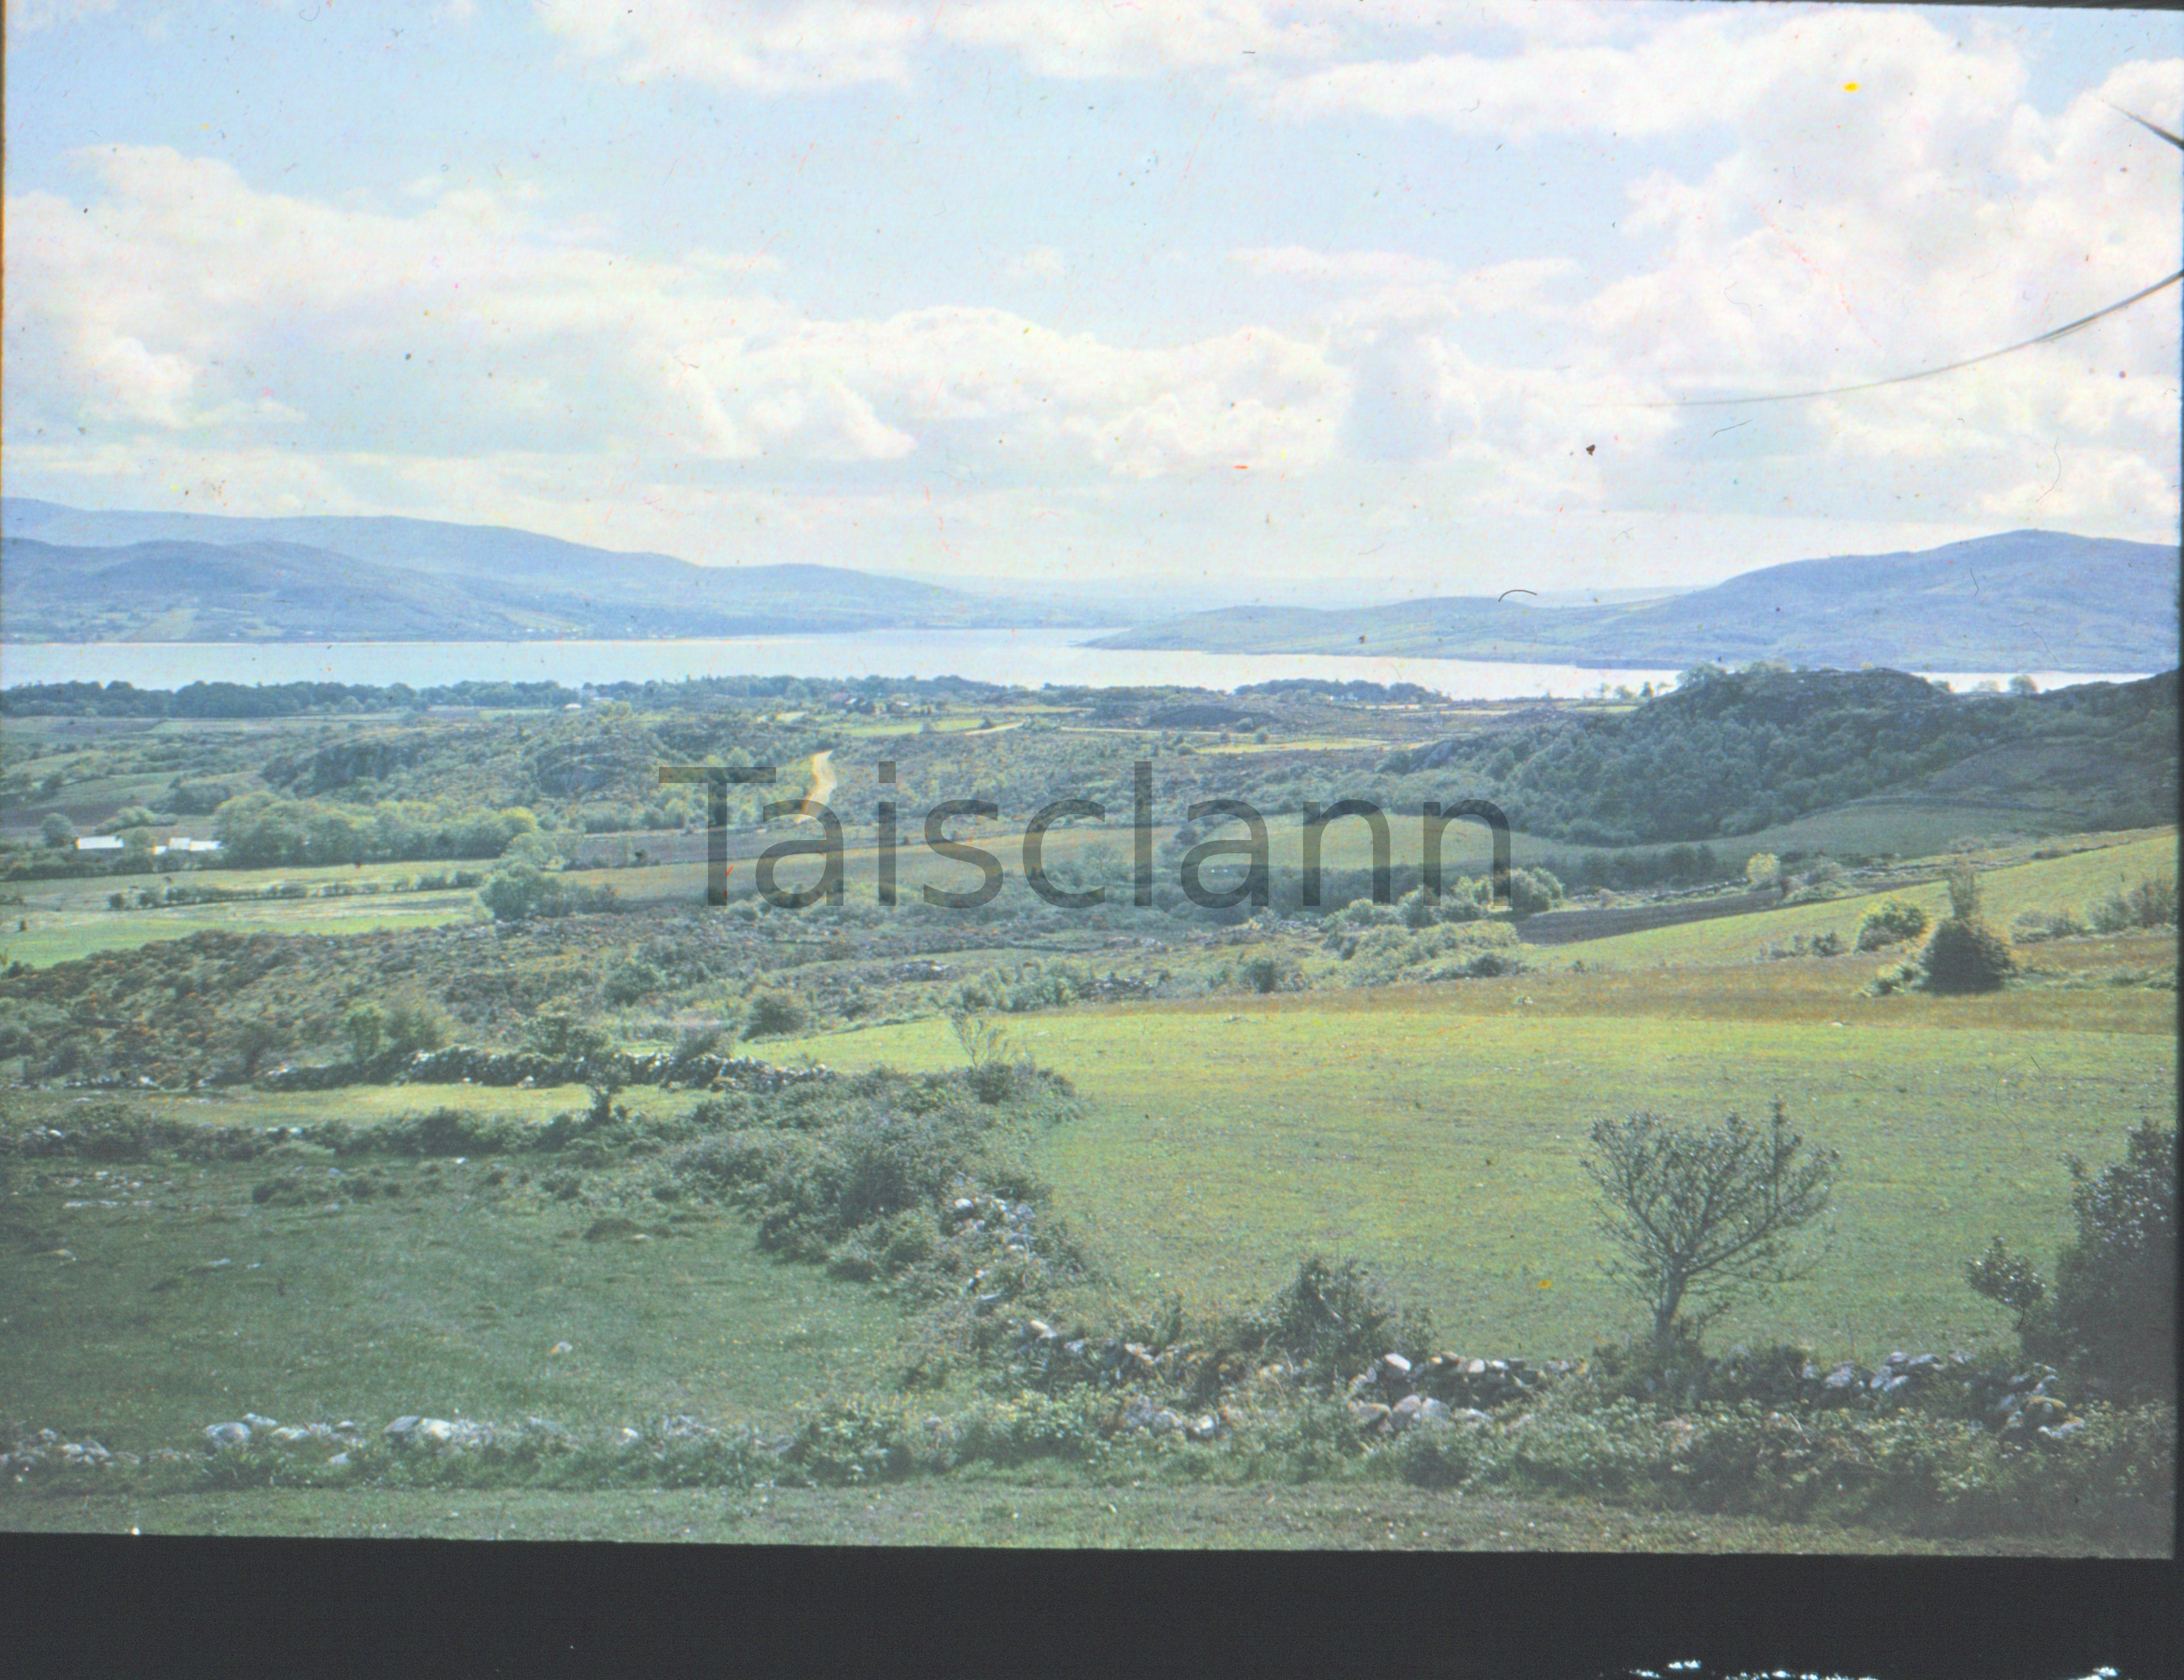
x: 1371, y: 1417
x: 224, y: 1435
x: 1138, y: 1413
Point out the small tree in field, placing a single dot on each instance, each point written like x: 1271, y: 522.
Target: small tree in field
x: 1704, y: 1215
x: 1965, y: 953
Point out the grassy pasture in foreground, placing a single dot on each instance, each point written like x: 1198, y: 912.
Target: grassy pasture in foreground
x: 446, y: 1299
x: 1436, y: 1130
x: 967, y: 1510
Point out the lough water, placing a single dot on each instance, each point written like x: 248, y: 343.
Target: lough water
x: 1029, y: 657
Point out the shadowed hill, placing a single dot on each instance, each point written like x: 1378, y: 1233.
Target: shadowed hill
x: 69, y: 575
x: 2025, y: 600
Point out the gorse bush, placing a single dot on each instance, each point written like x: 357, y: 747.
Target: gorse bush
x: 1382, y: 955
x: 2151, y: 904
x: 1966, y: 955
x: 525, y: 891
x: 2110, y: 1316
x: 1532, y: 890
x: 1265, y: 972
x: 1330, y: 1322
x: 1891, y: 922
x: 871, y: 1164
x: 772, y: 1012
x: 1909, y: 1470
x: 2032, y: 926
x: 1042, y: 983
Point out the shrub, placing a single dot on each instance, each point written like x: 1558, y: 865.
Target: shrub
x: 564, y: 1037
x: 1532, y: 890
x: 1679, y: 1372
x: 1966, y: 955
x: 1762, y: 869
x: 1894, y: 978
x: 772, y: 1012
x: 2151, y: 904
x: 411, y: 1027
x: 1331, y: 1321
x: 2036, y: 925
x: 365, y: 1029
x: 520, y: 893
x: 2111, y: 1317
x: 1891, y: 922
x: 629, y: 981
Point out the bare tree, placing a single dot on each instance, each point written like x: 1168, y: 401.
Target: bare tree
x: 1705, y: 1215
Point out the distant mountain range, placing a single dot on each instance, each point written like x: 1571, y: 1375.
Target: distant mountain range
x: 2026, y: 600
x: 67, y: 575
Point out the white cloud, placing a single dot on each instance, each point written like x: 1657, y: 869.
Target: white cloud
x: 785, y: 46
x: 187, y: 301
x: 1791, y: 266
x: 466, y: 346
x: 1787, y: 68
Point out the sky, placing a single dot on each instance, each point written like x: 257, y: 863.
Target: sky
x: 1202, y: 300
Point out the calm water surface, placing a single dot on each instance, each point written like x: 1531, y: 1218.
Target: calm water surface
x: 1029, y: 657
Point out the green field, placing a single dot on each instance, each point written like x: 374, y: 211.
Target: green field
x: 447, y: 1299
x: 62, y: 935
x: 2074, y: 882
x: 1432, y: 1131
x: 971, y: 1510
x: 1436, y: 1132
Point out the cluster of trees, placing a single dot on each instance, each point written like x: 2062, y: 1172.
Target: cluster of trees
x: 295, y: 700
x: 1730, y: 753
x: 268, y: 699
x: 1328, y: 687
x: 525, y: 892
x: 261, y: 830
x: 1672, y: 866
x: 1727, y: 753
